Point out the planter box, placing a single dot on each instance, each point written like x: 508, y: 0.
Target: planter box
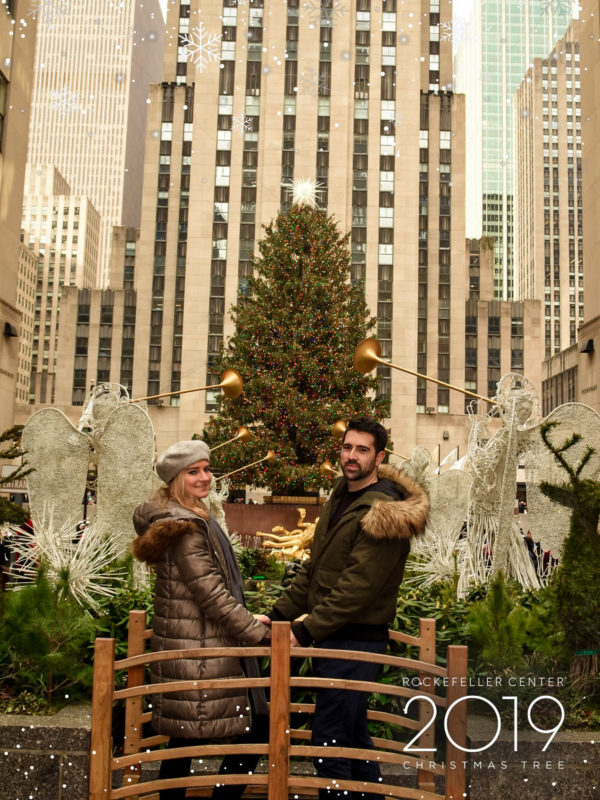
x: 300, y: 500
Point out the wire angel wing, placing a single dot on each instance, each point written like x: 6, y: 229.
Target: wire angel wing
x: 125, y: 455
x: 449, y: 498
x: 60, y: 457
x: 548, y: 521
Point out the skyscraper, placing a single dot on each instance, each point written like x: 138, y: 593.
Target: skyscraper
x: 92, y: 71
x: 17, y: 47
x: 548, y: 198
x: 497, y: 47
x: 62, y: 229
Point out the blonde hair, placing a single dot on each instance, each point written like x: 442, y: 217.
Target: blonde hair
x: 176, y: 491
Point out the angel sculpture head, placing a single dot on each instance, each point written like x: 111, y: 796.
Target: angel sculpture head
x: 517, y: 401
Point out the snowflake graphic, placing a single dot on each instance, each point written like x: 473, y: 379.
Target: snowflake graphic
x: 455, y: 31
x: 238, y: 2
x: 48, y: 11
x: 311, y: 83
x: 241, y: 123
x: 397, y: 121
x: 324, y: 15
x: 201, y: 47
x: 560, y: 7
x: 64, y: 101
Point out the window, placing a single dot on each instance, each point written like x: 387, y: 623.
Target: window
x: 386, y: 181
x: 83, y: 315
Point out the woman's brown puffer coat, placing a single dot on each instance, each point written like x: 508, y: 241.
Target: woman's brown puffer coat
x: 193, y: 607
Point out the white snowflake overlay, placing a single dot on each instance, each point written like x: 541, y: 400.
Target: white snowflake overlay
x: 326, y: 15
x: 64, y: 101
x: 201, y: 47
x: 48, y: 11
x: 311, y: 83
x: 562, y: 7
x: 455, y: 31
x: 241, y: 123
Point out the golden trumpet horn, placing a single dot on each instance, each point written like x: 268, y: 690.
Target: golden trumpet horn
x: 368, y: 354
x: 231, y: 383
x: 339, y: 428
x: 269, y: 457
x: 327, y: 468
x: 243, y: 434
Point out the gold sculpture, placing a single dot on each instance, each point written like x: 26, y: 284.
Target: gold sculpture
x: 368, y: 354
x: 291, y: 544
x: 231, y: 383
x: 269, y: 457
x: 243, y: 434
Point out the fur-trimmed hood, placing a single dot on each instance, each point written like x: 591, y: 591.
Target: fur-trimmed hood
x: 392, y: 518
x: 160, y: 526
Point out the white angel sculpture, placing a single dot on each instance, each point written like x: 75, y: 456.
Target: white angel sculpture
x: 116, y: 437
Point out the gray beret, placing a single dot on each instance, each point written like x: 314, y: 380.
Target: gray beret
x: 179, y: 456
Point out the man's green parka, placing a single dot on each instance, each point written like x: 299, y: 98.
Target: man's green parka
x: 350, y: 582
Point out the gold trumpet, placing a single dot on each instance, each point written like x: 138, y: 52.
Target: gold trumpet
x: 368, y: 354
x: 231, y: 383
x: 243, y: 434
x: 338, y: 430
x: 327, y: 468
x: 269, y: 457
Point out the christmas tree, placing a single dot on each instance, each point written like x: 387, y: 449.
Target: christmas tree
x: 296, y: 330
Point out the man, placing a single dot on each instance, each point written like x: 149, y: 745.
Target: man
x: 348, y: 588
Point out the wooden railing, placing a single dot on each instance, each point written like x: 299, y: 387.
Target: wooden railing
x: 285, y: 743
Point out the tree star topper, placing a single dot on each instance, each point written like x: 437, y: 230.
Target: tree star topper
x: 304, y: 192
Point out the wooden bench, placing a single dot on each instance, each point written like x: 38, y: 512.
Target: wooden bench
x: 286, y: 744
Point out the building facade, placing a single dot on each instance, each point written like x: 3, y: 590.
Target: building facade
x: 17, y: 47
x: 92, y: 72
x: 63, y: 229
x: 26, y: 303
x: 496, y: 47
x: 255, y: 96
x: 574, y: 373
x: 548, y: 200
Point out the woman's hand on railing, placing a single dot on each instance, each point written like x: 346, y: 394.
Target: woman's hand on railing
x: 263, y: 618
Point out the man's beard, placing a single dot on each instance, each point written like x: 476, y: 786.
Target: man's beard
x: 360, y: 473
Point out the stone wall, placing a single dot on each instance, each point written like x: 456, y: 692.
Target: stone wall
x: 45, y: 758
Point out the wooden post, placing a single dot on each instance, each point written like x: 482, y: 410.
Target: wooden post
x: 457, y: 721
x: 425, y: 779
x: 136, y: 645
x: 102, y: 700
x: 279, y: 727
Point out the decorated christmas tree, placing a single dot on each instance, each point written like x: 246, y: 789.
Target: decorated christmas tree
x: 296, y: 330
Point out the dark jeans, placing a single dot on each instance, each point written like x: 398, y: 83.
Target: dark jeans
x: 340, y: 718
x: 180, y: 767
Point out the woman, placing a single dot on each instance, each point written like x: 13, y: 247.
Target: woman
x: 199, y: 602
